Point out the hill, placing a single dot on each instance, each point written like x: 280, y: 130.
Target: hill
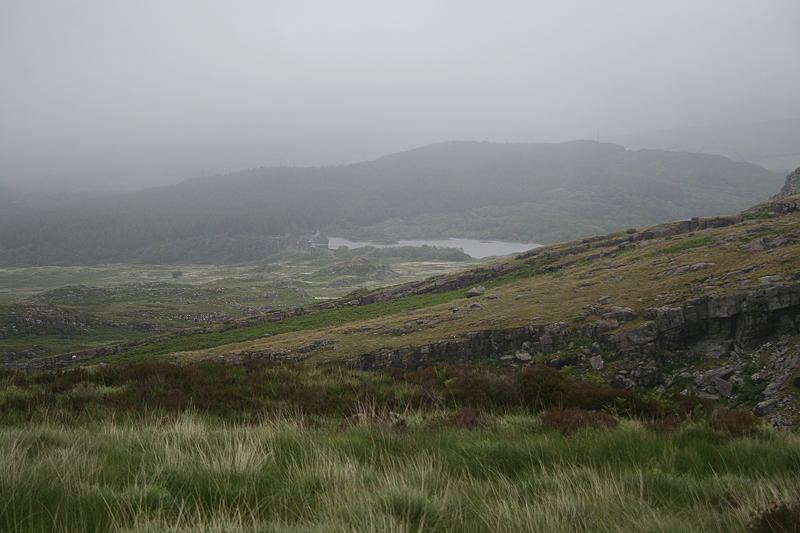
x: 708, y: 306
x: 526, y: 192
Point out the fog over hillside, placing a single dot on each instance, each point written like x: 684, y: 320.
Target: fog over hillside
x: 118, y: 95
x: 772, y: 145
x: 523, y: 192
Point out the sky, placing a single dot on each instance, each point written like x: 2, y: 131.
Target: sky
x: 112, y: 94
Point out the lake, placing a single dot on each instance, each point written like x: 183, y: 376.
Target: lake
x: 471, y: 247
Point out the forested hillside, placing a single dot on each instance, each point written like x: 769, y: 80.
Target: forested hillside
x: 528, y: 192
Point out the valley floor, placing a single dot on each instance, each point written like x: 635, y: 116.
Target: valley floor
x: 58, y: 309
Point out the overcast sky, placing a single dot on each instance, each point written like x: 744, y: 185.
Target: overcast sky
x: 138, y: 92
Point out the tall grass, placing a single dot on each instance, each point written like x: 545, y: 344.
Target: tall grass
x: 187, y: 472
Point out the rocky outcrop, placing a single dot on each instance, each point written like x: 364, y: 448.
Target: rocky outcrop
x: 791, y: 187
x: 739, y: 317
x: 630, y: 237
x: 40, y: 320
x: 669, y: 332
x: 63, y: 360
x: 472, y: 347
x: 727, y: 328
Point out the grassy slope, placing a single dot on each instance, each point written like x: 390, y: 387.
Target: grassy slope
x: 633, y: 276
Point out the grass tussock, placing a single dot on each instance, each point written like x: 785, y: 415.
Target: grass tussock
x: 568, y: 421
x: 187, y: 472
x: 158, y: 446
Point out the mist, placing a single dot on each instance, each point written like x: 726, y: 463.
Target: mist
x: 121, y: 95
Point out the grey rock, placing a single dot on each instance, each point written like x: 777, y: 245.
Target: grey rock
x: 773, y: 388
x: 620, y: 314
x: 480, y: 290
x: 765, y: 407
x: 791, y: 187
x: 607, y: 324
x: 597, y: 362
x: 523, y: 356
x: 590, y: 309
x: 685, y: 269
x: 724, y: 388
x: 714, y: 349
x: 707, y: 378
x: 753, y: 246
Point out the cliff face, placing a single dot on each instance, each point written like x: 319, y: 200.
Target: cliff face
x: 791, y: 187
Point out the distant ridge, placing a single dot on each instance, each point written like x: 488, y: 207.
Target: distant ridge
x: 773, y: 145
x: 520, y: 192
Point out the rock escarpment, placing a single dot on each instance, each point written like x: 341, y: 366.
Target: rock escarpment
x: 791, y: 187
x: 716, y: 346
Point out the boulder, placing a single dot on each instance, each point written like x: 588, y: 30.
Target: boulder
x: 709, y: 376
x: 522, y: 355
x: 620, y: 314
x: 753, y: 246
x: 685, y: 269
x: 765, y: 407
x: 480, y: 290
x: 723, y: 387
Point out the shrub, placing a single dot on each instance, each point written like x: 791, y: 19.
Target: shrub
x: 568, y: 421
x: 469, y: 419
x: 735, y: 422
x: 542, y: 386
x: 64, y: 380
x: 461, y: 386
x: 148, y: 371
x: 256, y: 387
